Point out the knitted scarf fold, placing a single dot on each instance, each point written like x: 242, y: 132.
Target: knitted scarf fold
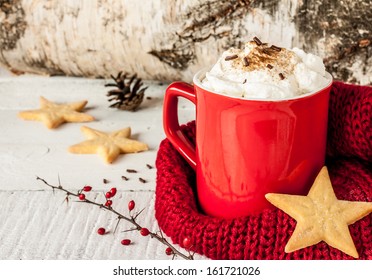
x: 264, y: 236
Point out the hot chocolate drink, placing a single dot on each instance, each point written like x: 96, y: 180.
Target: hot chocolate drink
x: 264, y: 71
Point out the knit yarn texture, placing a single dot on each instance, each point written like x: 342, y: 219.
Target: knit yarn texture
x: 264, y: 236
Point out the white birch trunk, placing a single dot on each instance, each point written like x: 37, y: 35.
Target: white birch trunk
x: 172, y: 39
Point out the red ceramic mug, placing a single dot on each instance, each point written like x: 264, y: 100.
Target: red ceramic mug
x: 246, y: 148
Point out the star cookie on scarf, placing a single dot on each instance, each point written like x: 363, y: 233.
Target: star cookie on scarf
x: 321, y: 216
x: 54, y: 114
x: 108, y: 145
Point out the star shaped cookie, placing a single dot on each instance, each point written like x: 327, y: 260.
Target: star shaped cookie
x: 321, y: 216
x: 108, y: 145
x: 54, y: 114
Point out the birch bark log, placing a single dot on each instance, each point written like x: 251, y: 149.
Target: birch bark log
x: 171, y: 39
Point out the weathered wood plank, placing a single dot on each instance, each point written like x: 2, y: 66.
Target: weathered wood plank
x: 28, y: 149
x: 40, y: 225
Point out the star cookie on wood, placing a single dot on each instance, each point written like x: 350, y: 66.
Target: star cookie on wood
x: 108, y: 145
x: 54, y: 114
x: 321, y: 216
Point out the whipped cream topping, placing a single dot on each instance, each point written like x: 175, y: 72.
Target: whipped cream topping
x: 262, y: 71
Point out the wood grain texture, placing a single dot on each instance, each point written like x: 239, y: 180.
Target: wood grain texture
x: 171, y: 40
x: 37, y: 224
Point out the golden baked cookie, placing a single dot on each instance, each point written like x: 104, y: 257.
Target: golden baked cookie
x: 108, y: 145
x: 54, y: 114
x: 321, y: 216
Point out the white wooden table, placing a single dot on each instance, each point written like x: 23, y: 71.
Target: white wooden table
x: 36, y: 223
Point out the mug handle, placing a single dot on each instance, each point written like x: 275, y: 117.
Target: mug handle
x: 170, y: 120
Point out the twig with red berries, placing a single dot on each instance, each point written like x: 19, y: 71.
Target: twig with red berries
x: 170, y: 250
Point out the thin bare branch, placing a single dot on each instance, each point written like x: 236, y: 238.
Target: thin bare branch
x: 132, y: 219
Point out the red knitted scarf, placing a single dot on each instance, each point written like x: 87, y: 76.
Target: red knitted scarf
x: 264, y: 236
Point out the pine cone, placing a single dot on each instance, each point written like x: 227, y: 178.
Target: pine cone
x: 127, y: 96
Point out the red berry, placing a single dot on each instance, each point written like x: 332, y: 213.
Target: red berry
x: 144, y: 231
x: 82, y: 196
x: 125, y: 242
x: 108, y: 195
x: 87, y: 188
x: 169, y: 251
x: 186, y: 243
x: 113, y: 192
x: 108, y: 203
x: 131, y: 205
x: 101, y: 231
